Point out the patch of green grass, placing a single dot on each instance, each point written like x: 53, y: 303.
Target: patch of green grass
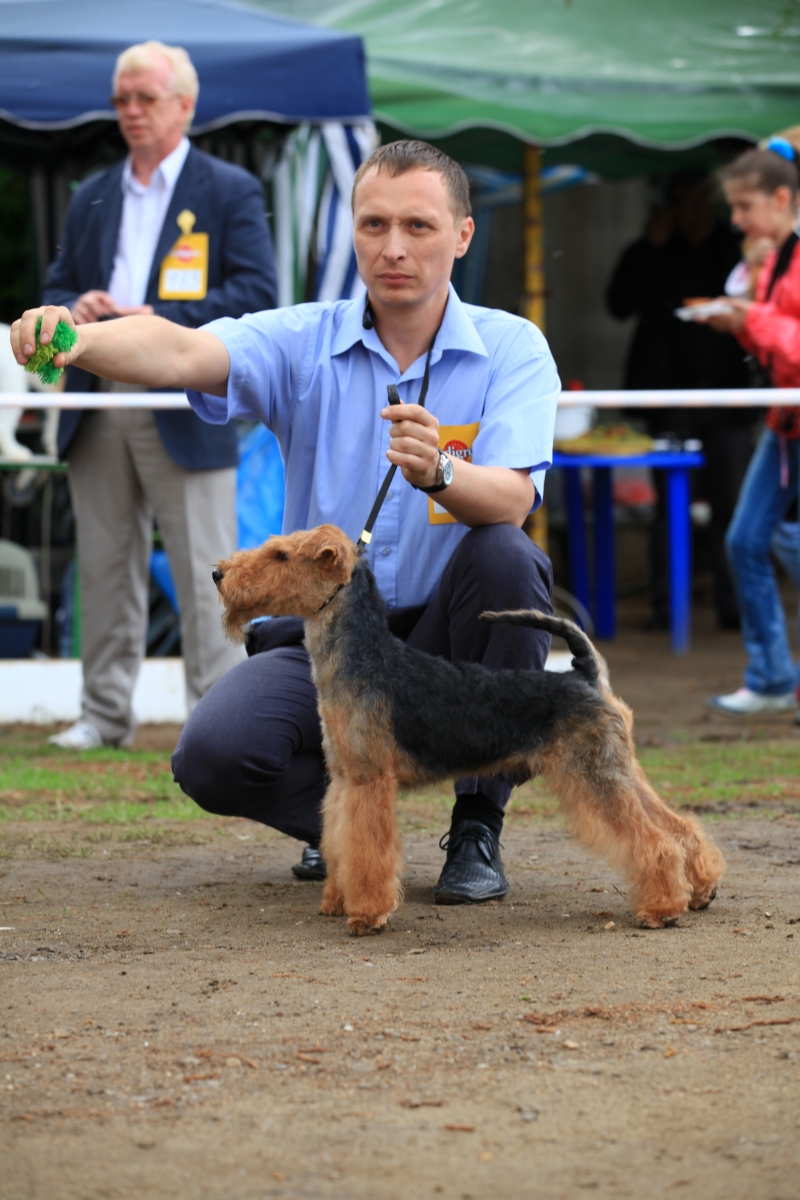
x: 736, y: 773
x: 130, y: 787
x: 108, y: 786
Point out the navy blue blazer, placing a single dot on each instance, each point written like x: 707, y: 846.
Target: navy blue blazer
x: 229, y: 206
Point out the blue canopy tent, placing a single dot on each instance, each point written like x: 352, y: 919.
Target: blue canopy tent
x: 261, y: 75
x: 56, y: 61
x: 263, y: 79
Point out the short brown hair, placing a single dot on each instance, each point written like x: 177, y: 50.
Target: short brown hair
x: 763, y: 170
x: 399, y: 157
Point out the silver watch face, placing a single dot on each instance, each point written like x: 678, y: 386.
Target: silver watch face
x: 446, y: 470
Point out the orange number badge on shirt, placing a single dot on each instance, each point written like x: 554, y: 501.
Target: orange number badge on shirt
x: 457, y: 441
x: 184, y: 271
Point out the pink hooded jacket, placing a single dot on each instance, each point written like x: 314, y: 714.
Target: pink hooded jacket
x: 772, y: 334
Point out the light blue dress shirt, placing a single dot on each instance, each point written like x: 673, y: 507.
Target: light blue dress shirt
x: 318, y: 380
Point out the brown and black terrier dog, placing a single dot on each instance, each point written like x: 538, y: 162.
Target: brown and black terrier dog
x: 393, y: 717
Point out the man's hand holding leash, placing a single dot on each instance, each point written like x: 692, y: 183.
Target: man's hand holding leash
x: 413, y: 443
x: 478, y: 495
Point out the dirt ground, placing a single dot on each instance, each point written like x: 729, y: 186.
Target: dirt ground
x: 520, y: 1049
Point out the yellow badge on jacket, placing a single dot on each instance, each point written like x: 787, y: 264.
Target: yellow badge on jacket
x: 184, y: 271
x: 457, y: 441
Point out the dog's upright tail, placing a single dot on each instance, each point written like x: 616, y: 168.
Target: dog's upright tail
x: 585, y: 659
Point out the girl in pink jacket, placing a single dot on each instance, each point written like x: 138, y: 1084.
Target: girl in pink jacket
x: 761, y: 187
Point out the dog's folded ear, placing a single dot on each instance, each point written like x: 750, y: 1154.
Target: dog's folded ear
x: 329, y: 549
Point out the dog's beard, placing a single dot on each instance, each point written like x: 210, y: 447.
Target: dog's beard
x: 238, y: 614
x: 234, y: 624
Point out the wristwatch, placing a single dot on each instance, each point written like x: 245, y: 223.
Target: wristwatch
x: 444, y: 476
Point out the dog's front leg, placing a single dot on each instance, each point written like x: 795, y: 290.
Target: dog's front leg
x: 369, y: 852
x: 332, y: 904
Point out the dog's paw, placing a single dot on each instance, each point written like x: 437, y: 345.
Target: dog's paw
x: 361, y: 925
x: 332, y: 908
x: 698, y: 903
x: 654, y: 921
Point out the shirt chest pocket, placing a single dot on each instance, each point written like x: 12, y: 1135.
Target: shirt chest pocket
x: 456, y: 441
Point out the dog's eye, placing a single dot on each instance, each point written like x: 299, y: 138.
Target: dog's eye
x: 281, y: 556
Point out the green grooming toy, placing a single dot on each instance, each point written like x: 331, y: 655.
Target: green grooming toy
x: 41, y: 361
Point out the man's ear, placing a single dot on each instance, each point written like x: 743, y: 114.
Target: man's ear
x: 465, y: 236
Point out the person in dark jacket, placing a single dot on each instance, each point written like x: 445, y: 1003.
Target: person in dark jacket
x: 175, y: 232
x: 687, y: 251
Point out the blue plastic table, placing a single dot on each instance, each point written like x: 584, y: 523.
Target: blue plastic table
x: 676, y: 467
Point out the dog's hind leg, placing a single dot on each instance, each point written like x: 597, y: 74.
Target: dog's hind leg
x: 607, y: 815
x: 369, y: 847
x: 333, y: 817
x: 704, y: 864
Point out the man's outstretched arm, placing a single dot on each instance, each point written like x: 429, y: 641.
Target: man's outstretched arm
x: 149, y: 351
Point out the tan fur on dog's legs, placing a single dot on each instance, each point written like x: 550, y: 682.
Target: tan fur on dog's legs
x: 367, y: 847
x: 618, y: 827
x: 704, y: 865
x: 333, y: 814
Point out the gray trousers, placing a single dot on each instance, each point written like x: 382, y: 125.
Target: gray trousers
x: 120, y: 477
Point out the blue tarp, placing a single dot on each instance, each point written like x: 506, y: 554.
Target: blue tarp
x: 57, y: 58
x: 260, y: 488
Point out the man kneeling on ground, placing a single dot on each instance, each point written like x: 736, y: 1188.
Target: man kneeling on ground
x: 448, y: 542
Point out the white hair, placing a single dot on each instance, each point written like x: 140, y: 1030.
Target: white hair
x: 145, y: 55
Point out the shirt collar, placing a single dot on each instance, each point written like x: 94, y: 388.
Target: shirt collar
x: 169, y: 169
x: 457, y: 332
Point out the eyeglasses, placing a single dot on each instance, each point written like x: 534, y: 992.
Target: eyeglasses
x: 143, y: 99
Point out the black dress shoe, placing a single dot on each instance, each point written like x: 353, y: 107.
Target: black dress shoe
x: 311, y: 865
x: 473, y: 871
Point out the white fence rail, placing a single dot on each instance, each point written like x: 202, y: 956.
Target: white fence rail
x: 693, y: 398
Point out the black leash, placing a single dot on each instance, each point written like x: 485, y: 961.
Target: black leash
x: 394, y: 398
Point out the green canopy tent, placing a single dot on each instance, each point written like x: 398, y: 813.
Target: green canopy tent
x: 621, y: 87
x: 611, y: 84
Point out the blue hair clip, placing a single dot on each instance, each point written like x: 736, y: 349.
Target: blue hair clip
x: 779, y: 145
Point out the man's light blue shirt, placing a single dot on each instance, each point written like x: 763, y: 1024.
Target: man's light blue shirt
x: 318, y: 380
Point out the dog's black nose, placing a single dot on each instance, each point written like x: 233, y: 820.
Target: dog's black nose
x: 216, y: 576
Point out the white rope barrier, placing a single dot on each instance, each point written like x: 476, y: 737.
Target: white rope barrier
x: 93, y: 400
x: 692, y: 398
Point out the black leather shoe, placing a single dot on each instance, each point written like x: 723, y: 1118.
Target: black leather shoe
x: 473, y: 871
x: 311, y: 865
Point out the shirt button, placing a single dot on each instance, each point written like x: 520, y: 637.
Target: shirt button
x: 386, y: 550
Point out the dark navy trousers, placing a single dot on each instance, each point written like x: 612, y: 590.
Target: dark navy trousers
x: 253, y: 745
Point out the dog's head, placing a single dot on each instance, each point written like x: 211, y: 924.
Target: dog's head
x: 292, y: 576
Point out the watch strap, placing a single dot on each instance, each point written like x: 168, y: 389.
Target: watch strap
x: 437, y: 487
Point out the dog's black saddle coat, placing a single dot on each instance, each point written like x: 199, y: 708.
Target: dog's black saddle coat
x: 449, y: 717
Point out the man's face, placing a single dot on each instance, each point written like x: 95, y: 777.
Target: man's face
x: 406, y: 236
x: 151, y: 117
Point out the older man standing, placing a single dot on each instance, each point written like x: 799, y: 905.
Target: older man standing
x: 175, y: 232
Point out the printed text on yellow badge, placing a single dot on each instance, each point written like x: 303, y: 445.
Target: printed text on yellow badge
x: 184, y: 271
x: 457, y: 441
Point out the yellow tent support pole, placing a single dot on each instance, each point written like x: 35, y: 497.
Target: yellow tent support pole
x: 536, y: 523
x: 534, y: 237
